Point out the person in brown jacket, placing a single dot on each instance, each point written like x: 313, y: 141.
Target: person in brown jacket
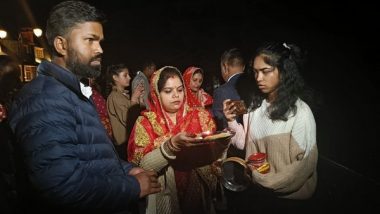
x: 119, y: 103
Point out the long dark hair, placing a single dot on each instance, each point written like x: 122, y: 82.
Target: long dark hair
x: 289, y: 60
x: 114, y: 69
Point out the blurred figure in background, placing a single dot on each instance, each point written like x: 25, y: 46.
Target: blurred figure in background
x: 101, y: 106
x: 232, y: 66
x: 10, y: 83
x: 119, y: 103
x: 196, y: 96
x: 143, y: 78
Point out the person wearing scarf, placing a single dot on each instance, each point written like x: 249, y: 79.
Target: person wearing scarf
x: 196, y: 96
x: 163, y: 139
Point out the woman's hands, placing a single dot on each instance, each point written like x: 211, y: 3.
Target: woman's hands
x: 183, y: 147
x: 181, y: 140
x: 177, y: 143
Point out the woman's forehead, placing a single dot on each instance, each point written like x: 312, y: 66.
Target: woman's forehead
x: 173, y: 81
x: 197, y: 75
x: 259, y: 62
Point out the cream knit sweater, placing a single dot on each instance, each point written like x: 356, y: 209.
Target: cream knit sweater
x: 290, y: 146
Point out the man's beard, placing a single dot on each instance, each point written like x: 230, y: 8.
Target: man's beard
x: 80, y: 69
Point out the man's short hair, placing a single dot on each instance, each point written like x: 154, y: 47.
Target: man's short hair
x: 233, y: 57
x: 65, y: 15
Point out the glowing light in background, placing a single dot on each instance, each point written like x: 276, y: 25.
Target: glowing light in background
x: 37, y: 32
x: 3, y: 34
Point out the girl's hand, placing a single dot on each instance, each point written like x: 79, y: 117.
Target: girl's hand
x: 228, y: 110
x: 138, y: 93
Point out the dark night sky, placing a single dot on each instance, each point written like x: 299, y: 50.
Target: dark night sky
x: 341, y: 40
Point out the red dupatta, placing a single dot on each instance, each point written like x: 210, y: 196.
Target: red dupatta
x: 202, y: 98
x: 154, y: 127
x: 101, y: 108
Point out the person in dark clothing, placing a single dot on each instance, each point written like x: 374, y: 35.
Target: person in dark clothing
x: 69, y: 161
x: 231, y: 68
x: 9, y: 85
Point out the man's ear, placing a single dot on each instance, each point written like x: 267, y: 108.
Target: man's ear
x: 60, y: 45
x: 225, y: 68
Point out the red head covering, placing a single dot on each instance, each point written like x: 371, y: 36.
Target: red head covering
x: 156, y: 103
x: 202, y: 98
x: 154, y: 127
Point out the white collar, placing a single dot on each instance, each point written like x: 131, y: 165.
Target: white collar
x: 232, y: 76
x: 86, y: 90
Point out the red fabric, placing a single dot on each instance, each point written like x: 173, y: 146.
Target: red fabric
x: 3, y: 112
x: 154, y: 127
x: 101, y: 108
x: 188, y: 120
x: 192, y: 99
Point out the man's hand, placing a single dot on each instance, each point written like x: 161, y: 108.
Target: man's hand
x: 136, y: 170
x: 148, y: 182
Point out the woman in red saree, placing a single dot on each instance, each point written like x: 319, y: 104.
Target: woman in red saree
x: 100, y: 106
x: 196, y: 96
x: 163, y: 140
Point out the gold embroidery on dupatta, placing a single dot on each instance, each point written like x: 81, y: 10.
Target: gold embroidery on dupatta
x: 204, y: 120
x: 157, y: 128
x: 211, y: 124
x: 137, y: 156
x: 160, y: 140
x: 142, y: 137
